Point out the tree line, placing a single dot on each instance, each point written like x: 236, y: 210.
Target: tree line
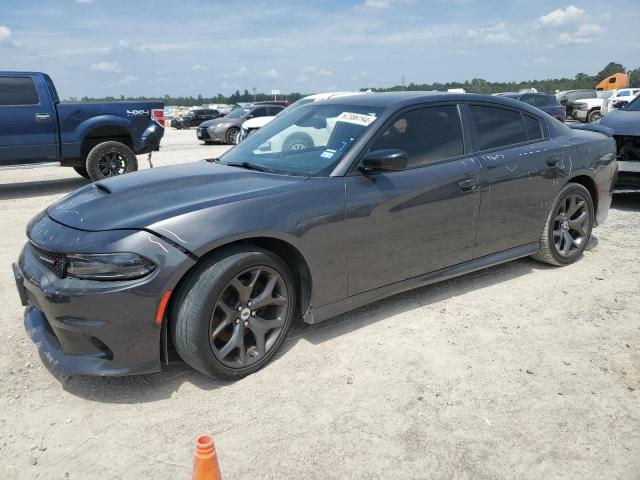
x: 476, y: 85
x: 550, y: 85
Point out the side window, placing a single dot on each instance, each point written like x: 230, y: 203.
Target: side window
x: 274, y: 110
x: 18, y: 91
x: 496, y: 127
x: 260, y: 112
x: 623, y: 93
x: 530, y: 99
x: 532, y: 127
x: 426, y: 134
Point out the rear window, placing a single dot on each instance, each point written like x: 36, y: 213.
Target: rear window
x: 496, y: 127
x: 18, y: 91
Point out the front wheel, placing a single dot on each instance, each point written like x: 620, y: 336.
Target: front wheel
x: 594, y: 116
x: 110, y: 159
x: 233, y: 312
x: 232, y: 135
x: 82, y: 171
x: 568, y: 227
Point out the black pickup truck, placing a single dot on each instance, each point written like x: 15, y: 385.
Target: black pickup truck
x: 98, y: 140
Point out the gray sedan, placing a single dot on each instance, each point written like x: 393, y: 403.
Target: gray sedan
x: 220, y: 258
x: 226, y: 129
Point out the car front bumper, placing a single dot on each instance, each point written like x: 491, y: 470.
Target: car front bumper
x: 96, y: 327
x: 580, y: 115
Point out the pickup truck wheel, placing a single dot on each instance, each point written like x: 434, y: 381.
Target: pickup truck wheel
x: 594, y: 115
x: 109, y: 159
x: 297, y: 141
x: 82, y: 171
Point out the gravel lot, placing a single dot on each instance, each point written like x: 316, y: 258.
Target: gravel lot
x: 518, y: 371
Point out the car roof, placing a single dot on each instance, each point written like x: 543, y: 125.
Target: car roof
x: 403, y: 99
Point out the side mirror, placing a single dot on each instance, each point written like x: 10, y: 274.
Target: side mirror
x: 249, y: 116
x: 620, y: 104
x: 386, y: 160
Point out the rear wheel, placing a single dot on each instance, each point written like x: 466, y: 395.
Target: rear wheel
x: 568, y: 227
x: 234, y: 312
x: 110, y: 159
x: 297, y: 141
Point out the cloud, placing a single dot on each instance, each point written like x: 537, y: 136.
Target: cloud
x: 199, y: 68
x: 562, y: 17
x: 540, y: 60
x: 348, y: 58
x: 494, y: 35
x: 381, y: 4
x: 5, y: 34
x: 242, y: 69
x: 271, y: 73
x: 128, y: 80
x: 585, y: 34
x: 325, y: 73
x: 111, y: 67
x: 84, y: 2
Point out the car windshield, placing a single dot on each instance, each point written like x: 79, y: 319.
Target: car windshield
x: 634, y: 105
x: 299, y: 103
x: 239, y: 113
x: 307, y: 141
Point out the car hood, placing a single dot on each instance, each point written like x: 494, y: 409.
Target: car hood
x: 217, y: 121
x: 622, y: 122
x: 138, y: 200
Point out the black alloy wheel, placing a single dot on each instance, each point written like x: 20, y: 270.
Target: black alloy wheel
x: 568, y: 227
x: 112, y: 164
x: 571, y: 225
x: 248, y: 317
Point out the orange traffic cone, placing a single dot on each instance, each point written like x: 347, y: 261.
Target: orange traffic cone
x: 205, y: 463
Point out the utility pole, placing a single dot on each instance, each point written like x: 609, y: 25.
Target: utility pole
x: 402, y: 81
x: 254, y: 93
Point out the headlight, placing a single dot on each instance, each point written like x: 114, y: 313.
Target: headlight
x: 108, y: 266
x: 221, y: 125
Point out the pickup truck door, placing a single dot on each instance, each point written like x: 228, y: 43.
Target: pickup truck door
x: 28, y: 126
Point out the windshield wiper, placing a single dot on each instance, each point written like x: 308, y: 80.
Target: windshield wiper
x: 247, y: 166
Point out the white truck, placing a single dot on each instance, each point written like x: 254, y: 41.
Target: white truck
x: 587, y: 110
x: 622, y: 94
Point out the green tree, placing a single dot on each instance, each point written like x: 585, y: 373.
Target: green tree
x: 610, y: 69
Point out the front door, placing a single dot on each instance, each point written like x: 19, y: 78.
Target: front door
x: 28, y: 124
x: 406, y: 223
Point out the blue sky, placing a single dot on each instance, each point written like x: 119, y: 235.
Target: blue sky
x: 155, y: 47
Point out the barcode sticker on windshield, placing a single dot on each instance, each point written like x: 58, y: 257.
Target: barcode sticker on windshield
x: 357, y: 118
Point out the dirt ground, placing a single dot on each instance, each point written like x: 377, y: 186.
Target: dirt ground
x: 519, y: 371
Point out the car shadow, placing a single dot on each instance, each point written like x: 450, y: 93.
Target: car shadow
x: 626, y: 201
x: 160, y: 386
x: 40, y: 188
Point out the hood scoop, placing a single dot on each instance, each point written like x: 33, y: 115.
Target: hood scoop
x: 102, y: 187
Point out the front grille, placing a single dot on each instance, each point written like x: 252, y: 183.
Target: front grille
x: 56, y: 262
x: 203, y: 133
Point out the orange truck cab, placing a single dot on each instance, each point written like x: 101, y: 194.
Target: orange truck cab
x: 614, y: 82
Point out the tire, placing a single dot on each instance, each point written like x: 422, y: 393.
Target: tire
x: 594, y: 115
x: 559, y: 225
x: 208, y: 142
x: 297, y: 141
x: 109, y: 159
x: 196, y: 315
x: 82, y: 171
x: 231, y: 137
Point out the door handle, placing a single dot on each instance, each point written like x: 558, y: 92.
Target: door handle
x: 552, y: 161
x: 42, y: 116
x: 468, y: 185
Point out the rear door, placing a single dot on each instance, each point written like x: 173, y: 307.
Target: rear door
x: 28, y: 132
x: 519, y: 175
x: 406, y: 223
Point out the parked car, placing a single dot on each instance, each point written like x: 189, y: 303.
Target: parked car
x: 98, y: 140
x: 194, y: 118
x: 227, y: 129
x: 625, y: 124
x: 568, y: 97
x: 623, y: 94
x: 589, y: 109
x: 221, y: 257
x: 254, y: 124
x: 545, y: 102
